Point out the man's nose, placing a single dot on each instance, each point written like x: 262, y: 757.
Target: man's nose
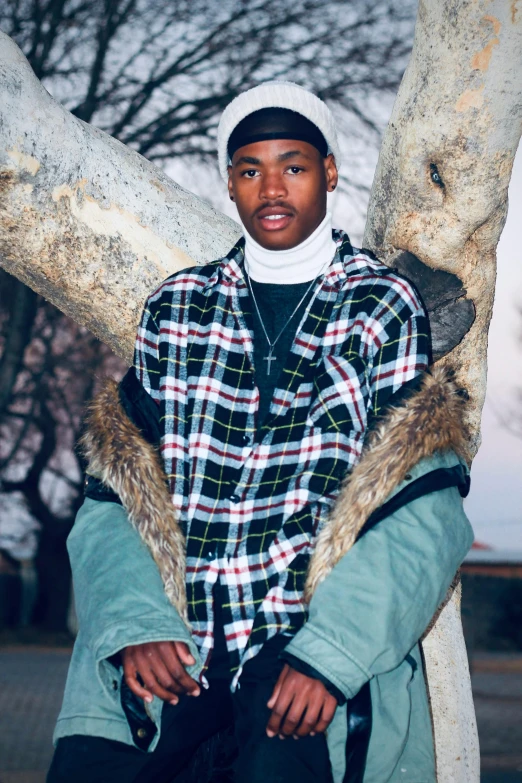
x: 272, y: 187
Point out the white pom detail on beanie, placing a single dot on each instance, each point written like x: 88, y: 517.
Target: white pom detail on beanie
x: 283, y: 95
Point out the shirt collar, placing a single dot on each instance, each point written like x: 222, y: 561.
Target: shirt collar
x: 231, y: 268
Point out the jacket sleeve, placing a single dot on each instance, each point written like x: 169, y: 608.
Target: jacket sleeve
x: 119, y: 593
x: 379, y: 599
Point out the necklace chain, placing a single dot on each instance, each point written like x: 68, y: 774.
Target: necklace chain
x: 271, y: 345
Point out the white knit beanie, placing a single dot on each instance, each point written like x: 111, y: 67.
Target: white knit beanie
x: 283, y: 95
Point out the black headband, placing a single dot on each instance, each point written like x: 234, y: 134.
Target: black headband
x: 275, y: 123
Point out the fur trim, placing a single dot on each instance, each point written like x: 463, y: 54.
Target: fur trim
x: 122, y: 459
x: 430, y: 420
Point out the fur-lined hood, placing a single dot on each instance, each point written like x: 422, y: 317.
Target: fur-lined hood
x: 429, y: 420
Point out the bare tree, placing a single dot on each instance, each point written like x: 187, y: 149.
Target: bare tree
x: 41, y: 425
x: 156, y: 75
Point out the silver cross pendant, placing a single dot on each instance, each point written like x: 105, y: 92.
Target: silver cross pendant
x: 269, y: 359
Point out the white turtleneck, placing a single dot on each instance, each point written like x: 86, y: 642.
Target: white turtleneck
x: 298, y: 264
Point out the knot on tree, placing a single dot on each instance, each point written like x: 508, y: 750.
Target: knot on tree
x: 451, y: 314
x: 435, y: 176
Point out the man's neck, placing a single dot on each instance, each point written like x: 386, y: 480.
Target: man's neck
x: 299, y: 264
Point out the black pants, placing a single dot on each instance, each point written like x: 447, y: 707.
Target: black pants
x: 86, y: 759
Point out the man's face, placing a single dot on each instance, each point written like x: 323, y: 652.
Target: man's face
x: 280, y: 187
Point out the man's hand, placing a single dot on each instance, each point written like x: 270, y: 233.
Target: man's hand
x: 161, y: 667
x: 300, y: 706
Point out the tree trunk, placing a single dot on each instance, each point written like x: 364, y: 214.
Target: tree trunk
x: 94, y: 227
x: 440, y: 195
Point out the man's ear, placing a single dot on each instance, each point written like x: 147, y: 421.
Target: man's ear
x: 230, y: 186
x: 330, y: 170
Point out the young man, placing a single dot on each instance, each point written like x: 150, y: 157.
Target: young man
x: 276, y: 566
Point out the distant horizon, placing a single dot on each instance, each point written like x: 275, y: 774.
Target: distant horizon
x: 480, y: 546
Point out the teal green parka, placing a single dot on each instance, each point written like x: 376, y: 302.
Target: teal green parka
x: 382, y: 566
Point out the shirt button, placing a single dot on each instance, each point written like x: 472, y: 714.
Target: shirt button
x: 211, y: 556
x: 407, y: 477
x: 115, y: 685
x: 246, y: 439
x: 142, y: 733
x: 234, y: 498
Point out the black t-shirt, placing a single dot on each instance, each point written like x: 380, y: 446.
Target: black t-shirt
x: 276, y: 304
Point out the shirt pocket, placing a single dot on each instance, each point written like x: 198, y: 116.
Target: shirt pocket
x: 339, y: 395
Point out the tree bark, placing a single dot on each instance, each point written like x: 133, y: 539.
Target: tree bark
x: 84, y: 220
x: 440, y: 197
x: 94, y: 228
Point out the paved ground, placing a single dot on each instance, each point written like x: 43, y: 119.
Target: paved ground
x: 498, y: 704
x: 31, y: 684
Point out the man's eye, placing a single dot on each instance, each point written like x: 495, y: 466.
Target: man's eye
x: 250, y: 173
x: 295, y: 169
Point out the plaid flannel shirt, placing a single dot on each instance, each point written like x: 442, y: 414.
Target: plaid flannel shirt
x: 252, y: 504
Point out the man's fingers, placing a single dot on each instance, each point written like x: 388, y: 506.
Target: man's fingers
x: 184, y: 654
x: 309, y: 719
x: 274, y: 723
x: 152, y: 685
x: 161, y: 669
x: 184, y: 682
x: 161, y: 672
x: 154, y: 674
x: 279, y: 711
x: 300, y: 705
x: 327, y: 714
x: 130, y: 672
x: 278, y: 686
x: 293, y: 717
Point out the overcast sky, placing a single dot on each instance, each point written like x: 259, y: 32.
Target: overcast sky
x: 494, y: 505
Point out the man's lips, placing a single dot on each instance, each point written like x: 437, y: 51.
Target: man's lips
x: 274, y: 219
